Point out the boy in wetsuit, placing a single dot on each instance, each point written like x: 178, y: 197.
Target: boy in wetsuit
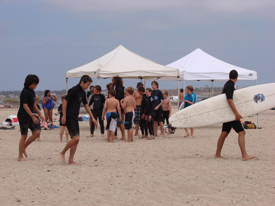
x: 129, y: 104
x: 228, y: 89
x: 112, y: 114
x: 158, y: 101
x: 62, y: 126
x: 28, y: 120
x: 143, y: 127
x: 138, y: 99
x: 98, y: 100
x: 71, y: 107
x: 149, y: 112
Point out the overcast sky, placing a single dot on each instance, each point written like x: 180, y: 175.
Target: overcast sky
x: 49, y: 37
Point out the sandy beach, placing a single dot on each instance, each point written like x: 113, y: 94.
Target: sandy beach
x: 169, y: 170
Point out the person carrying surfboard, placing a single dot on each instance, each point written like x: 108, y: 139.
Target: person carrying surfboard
x: 228, y: 89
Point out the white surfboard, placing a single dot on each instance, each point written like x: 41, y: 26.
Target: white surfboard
x: 248, y: 101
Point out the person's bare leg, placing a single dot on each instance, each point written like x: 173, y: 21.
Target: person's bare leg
x: 220, y: 144
x: 67, y: 134
x: 187, y: 133
x: 69, y: 144
x: 46, y: 113
x: 35, y: 134
x: 112, y: 136
x: 137, y: 128
x: 161, y: 128
x: 51, y: 117
x: 122, y: 129
x: 22, y: 148
x: 192, y: 132
x: 155, y: 127
x: 61, y: 132
x: 241, y: 141
x: 72, y: 153
x: 108, y: 135
x: 132, y: 134
x: 128, y: 136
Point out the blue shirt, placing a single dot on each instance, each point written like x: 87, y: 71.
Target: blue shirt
x: 190, y: 97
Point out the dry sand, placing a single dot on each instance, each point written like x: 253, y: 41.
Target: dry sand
x: 165, y: 171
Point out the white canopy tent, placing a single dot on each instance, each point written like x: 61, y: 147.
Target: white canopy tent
x: 200, y: 66
x: 124, y: 63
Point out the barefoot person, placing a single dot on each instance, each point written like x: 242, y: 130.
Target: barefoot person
x: 189, y: 99
x: 138, y: 99
x: 228, y: 89
x: 129, y: 104
x: 62, y: 126
x: 71, y: 107
x: 158, y: 112
x: 113, y: 114
x: 27, y: 120
x: 167, y: 108
x: 98, y: 101
x: 118, y: 86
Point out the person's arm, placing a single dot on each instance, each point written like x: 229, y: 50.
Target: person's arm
x: 104, y: 110
x: 157, y: 107
x: 53, y: 98
x: 233, y: 108
x: 119, y: 111
x: 87, y: 108
x: 123, y: 102
x: 45, y: 99
x: 64, y: 110
x: 170, y: 107
x: 38, y: 111
x: 29, y: 112
x: 136, y: 95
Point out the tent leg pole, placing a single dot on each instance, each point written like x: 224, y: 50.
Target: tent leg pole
x: 258, y: 122
x: 178, y: 92
x: 97, y: 81
x: 212, y: 88
x: 66, y: 85
x: 183, y: 88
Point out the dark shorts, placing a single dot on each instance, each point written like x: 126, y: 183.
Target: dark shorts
x: 129, y: 120
x: 166, y: 116
x: 29, y: 125
x: 72, y: 126
x: 137, y: 115
x: 236, y: 125
x: 121, y: 121
x: 158, y: 115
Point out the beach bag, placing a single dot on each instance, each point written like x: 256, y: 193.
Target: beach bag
x: 249, y: 125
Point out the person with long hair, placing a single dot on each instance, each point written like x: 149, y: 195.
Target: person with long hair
x: 48, y: 104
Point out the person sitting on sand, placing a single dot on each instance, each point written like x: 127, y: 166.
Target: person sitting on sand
x: 228, y: 89
x: 113, y: 112
x: 129, y: 104
x: 28, y: 120
x: 71, y: 108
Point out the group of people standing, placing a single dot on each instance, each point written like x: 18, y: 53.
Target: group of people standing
x: 146, y: 107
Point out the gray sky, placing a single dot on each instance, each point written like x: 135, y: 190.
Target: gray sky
x: 49, y: 37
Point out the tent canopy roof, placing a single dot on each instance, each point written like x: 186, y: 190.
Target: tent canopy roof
x: 198, y: 65
x: 124, y: 63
